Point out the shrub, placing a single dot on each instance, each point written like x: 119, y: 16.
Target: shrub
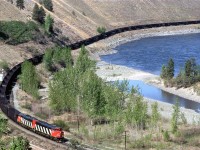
x: 62, y: 124
x: 101, y: 30
x: 183, y: 118
x: 20, y: 143
x: 4, y: 65
x: 166, y: 136
x: 18, y: 32
x: 142, y: 143
x: 119, y: 129
x: 48, y: 4
x: 74, y: 143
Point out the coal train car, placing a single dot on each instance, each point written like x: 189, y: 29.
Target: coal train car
x: 48, y: 130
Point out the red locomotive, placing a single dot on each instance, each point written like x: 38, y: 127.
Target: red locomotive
x: 40, y: 127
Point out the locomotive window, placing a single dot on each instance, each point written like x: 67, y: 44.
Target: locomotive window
x: 58, y: 129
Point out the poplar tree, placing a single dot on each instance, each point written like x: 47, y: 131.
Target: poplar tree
x: 67, y: 57
x: 93, y: 99
x: 136, y: 113
x: 155, y: 114
x: 175, y: 117
x: 20, y: 4
x: 29, y: 79
x: 48, y: 59
x: 83, y: 62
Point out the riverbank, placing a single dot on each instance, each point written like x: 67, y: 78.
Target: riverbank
x: 108, y: 45
x: 187, y: 93
x: 110, y: 72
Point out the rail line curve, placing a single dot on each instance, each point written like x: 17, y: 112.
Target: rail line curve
x: 11, y: 76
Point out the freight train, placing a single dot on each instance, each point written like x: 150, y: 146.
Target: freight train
x: 40, y: 127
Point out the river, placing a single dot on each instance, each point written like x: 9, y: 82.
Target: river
x: 149, y: 54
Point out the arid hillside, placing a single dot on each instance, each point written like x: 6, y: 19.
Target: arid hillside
x: 82, y: 17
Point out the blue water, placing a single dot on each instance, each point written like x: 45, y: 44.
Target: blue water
x: 149, y: 54
x: 152, y: 92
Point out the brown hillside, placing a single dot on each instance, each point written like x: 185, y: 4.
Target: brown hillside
x: 82, y: 17
x: 89, y: 14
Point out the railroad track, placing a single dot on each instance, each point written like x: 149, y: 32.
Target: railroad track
x: 11, y: 77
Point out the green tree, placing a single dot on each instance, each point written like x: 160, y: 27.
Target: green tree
x: 155, y: 114
x: 163, y: 74
x: 83, y: 62
x: 20, y: 4
x: 175, y: 117
x: 36, y: 13
x: 113, y: 98
x: 20, y: 143
x: 41, y: 16
x: 136, y: 113
x: 93, y: 100
x: 48, y: 59
x: 67, y: 57
x: 188, y: 68
x: 49, y: 24
x: 63, y: 90
x: 170, y: 69
x: 29, y: 79
x: 3, y: 125
x: 48, y: 4
x: 167, y: 72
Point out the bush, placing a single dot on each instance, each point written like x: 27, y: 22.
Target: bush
x: 119, y: 129
x: 4, y: 65
x: 74, y: 143
x: 20, y: 143
x: 101, y: 30
x: 62, y: 124
x: 166, y: 136
x: 18, y: 32
x: 142, y: 143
